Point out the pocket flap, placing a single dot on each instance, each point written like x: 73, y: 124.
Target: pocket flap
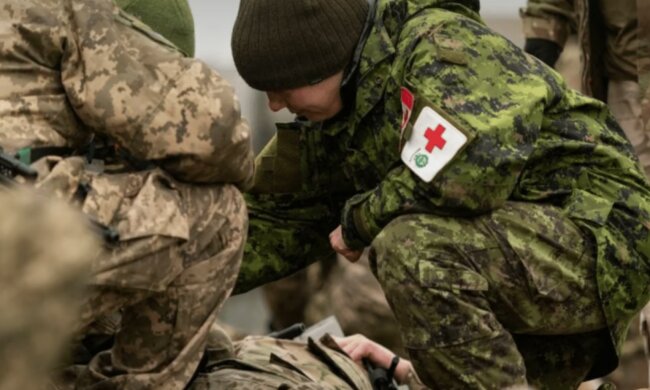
x: 155, y: 211
x: 587, y: 206
x: 138, y: 205
x: 450, y: 279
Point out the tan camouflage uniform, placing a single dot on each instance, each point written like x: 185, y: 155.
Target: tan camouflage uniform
x: 267, y: 363
x: 611, y: 37
x: 71, y: 70
x: 45, y: 260
x: 264, y: 362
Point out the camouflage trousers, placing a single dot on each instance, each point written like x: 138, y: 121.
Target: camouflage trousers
x: 624, y: 100
x: 486, y: 303
x: 176, y: 263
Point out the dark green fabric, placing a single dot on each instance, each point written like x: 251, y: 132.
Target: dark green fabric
x: 170, y: 18
x: 269, y: 34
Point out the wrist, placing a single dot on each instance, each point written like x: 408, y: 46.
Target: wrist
x: 404, y: 368
x: 353, y: 228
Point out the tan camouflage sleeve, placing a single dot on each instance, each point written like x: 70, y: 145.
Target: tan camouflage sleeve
x: 128, y: 82
x: 548, y: 19
x: 643, y: 7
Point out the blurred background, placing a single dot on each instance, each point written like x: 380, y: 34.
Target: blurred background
x: 213, y: 23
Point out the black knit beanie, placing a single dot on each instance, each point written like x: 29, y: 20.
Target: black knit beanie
x: 284, y: 44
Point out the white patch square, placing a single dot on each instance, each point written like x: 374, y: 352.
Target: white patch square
x: 433, y: 144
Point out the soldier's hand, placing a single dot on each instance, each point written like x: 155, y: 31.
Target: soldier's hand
x: 545, y: 50
x: 339, y: 246
x: 359, y: 347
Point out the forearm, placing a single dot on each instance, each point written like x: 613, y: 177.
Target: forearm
x: 282, y: 239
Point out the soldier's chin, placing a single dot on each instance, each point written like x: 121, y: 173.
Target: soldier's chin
x: 318, y: 116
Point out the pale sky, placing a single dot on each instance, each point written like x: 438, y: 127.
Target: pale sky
x: 214, y: 20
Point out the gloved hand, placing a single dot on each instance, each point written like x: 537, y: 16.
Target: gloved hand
x: 545, y: 50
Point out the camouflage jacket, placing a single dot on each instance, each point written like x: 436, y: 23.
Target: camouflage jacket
x: 74, y: 69
x: 529, y: 139
x: 265, y: 362
x: 607, y: 31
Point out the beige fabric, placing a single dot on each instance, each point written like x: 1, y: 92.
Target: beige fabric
x: 76, y: 70
x: 624, y: 100
x: 46, y: 254
x: 608, y: 36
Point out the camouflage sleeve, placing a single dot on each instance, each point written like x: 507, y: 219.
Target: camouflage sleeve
x: 286, y: 233
x: 288, y: 225
x: 552, y: 20
x: 461, y: 73
x: 128, y: 82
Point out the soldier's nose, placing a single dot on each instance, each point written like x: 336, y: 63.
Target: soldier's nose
x: 276, y: 102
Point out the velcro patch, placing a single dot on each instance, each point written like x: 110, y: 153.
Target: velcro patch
x: 433, y: 143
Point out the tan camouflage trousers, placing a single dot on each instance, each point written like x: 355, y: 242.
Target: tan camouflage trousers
x: 505, y: 299
x: 624, y: 100
x: 177, y: 262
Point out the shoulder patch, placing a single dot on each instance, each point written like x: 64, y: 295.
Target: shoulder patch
x: 433, y: 143
x: 408, y: 102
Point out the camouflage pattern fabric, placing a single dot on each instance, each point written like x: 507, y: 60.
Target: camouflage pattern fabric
x: 45, y: 258
x: 644, y: 62
x: 611, y: 34
x: 644, y: 82
x: 607, y: 31
x: 530, y: 141
x: 72, y: 71
x: 267, y: 363
x: 625, y: 61
x: 169, y: 297
x: 467, y: 290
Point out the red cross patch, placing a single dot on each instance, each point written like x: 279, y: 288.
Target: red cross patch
x: 434, y: 142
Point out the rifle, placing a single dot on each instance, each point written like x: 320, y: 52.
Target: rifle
x: 11, y: 167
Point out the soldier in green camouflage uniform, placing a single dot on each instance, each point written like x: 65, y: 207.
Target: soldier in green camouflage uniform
x: 507, y: 215
x: 45, y: 259
x: 614, y: 37
x: 148, y: 142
